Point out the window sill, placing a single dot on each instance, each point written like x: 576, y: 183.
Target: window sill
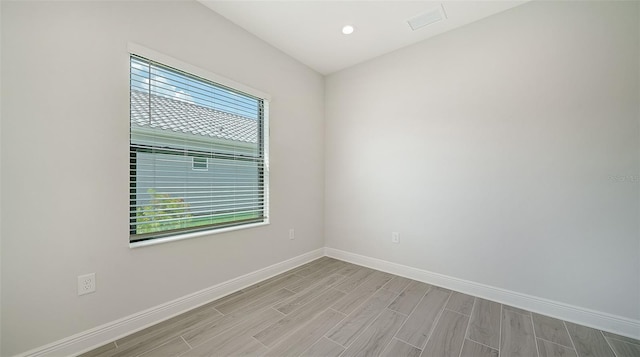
x: 178, y: 237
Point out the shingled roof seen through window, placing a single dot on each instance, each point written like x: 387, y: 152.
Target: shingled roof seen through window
x: 184, y: 117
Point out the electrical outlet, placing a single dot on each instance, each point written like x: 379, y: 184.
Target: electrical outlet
x: 395, y: 237
x: 86, y: 284
x: 292, y: 234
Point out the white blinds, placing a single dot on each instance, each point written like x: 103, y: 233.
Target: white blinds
x: 197, y: 153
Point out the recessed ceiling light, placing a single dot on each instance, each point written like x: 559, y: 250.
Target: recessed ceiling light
x: 347, y: 30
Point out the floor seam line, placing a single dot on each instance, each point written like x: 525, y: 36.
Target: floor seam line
x: 410, y: 313
x: 555, y: 343
x: 480, y: 343
x: 620, y: 340
x: 435, y: 322
x: 403, y: 341
x: 185, y: 341
x: 535, y: 336
x: 608, y: 344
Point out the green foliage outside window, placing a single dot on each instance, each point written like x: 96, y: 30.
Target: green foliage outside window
x: 162, y: 214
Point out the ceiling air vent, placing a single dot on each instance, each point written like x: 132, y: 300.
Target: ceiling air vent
x: 427, y: 18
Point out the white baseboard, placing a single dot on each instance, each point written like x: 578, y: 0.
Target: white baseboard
x: 96, y: 337
x: 596, y: 319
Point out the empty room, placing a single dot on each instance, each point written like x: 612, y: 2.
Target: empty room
x: 319, y: 178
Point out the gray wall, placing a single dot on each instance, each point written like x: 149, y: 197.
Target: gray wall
x: 505, y: 152
x: 65, y: 162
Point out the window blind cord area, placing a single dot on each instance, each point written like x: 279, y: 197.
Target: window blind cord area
x: 197, y: 153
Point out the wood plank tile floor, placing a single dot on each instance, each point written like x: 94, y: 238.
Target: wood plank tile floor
x: 332, y: 308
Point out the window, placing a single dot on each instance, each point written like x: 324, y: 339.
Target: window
x: 200, y: 163
x: 198, y: 153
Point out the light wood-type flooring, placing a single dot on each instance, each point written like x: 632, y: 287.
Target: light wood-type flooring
x: 332, y: 308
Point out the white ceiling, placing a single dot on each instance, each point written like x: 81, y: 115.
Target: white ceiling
x: 310, y: 31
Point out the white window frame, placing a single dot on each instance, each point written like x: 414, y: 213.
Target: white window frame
x: 139, y: 50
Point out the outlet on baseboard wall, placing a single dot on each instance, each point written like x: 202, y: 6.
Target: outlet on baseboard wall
x: 292, y: 233
x: 395, y: 237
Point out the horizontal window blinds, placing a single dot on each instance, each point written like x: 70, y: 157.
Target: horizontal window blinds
x: 197, y: 153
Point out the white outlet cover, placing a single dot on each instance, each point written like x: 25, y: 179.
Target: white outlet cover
x: 395, y: 237
x: 86, y: 284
